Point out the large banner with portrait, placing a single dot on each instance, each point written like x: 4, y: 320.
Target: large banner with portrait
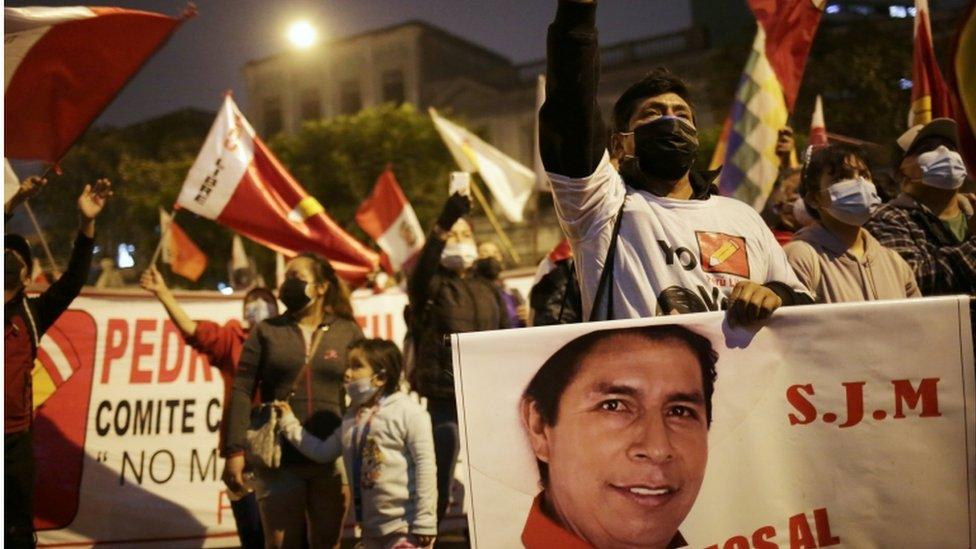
x: 833, y: 425
x: 126, y: 422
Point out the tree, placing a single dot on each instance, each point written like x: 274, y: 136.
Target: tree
x: 339, y: 159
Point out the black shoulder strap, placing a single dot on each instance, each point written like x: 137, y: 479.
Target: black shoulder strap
x: 605, y: 285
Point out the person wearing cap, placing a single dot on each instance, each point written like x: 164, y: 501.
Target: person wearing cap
x: 25, y: 320
x: 834, y: 257
x: 931, y: 224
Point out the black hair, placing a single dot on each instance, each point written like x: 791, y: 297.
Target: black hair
x: 265, y: 295
x: 385, y: 359
x: 826, y: 160
x: 550, y: 382
x: 19, y: 244
x: 337, y: 296
x: 658, y: 81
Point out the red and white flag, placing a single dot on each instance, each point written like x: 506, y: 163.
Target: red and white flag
x: 818, y: 129
x: 63, y: 66
x: 238, y: 182
x: 562, y: 251
x: 387, y: 216
x: 183, y: 256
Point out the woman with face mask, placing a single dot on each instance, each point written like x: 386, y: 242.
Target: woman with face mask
x: 301, y: 503
x: 834, y: 257
x: 447, y: 296
x: 222, y: 345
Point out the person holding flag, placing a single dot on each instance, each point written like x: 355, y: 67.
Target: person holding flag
x: 656, y: 205
x: 222, y: 346
x: 25, y: 320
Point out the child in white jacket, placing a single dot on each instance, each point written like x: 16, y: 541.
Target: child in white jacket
x: 388, y: 449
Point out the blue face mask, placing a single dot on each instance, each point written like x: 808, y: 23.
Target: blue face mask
x: 942, y: 168
x: 852, y: 201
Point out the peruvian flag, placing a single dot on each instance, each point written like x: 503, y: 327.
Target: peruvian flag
x: 182, y: 254
x: 62, y: 67
x: 818, y: 129
x: 237, y: 182
x: 389, y: 219
x: 930, y: 95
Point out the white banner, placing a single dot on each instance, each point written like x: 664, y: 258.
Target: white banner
x: 126, y: 422
x: 838, y: 425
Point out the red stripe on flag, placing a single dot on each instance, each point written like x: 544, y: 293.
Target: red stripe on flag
x: 383, y: 206
x: 186, y: 259
x: 926, y: 77
x: 71, y: 74
x: 790, y: 26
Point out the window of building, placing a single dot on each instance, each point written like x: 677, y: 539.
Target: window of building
x: 350, y: 100
x: 310, y: 104
x: 393, y: 87
x: 273, y: 121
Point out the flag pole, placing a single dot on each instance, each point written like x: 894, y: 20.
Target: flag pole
x: 162, y: 238
x: 506, y: 243
x: 40, y: 235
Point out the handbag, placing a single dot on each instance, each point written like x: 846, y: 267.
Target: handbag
x: 262, y: 443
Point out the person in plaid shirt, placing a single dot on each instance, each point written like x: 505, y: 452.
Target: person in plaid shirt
x: 931, y: 224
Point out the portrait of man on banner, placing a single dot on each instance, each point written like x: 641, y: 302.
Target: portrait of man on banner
x: 618, y: 422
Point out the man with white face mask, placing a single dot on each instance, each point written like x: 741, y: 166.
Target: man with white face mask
x: 931, y: 224
x: 447, y: 296
x: 834, y: 257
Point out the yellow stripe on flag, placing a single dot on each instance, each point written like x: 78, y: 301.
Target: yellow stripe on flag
x: 43, y: 384
x: 305, y: 209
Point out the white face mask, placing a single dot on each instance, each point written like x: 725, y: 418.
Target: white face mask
x: 256, y: 311
x: 852, y: 201
x: 458, y: 256
x: 361, y: 390
x: 942, y: 168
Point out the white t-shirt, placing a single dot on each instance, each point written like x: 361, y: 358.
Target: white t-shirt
x: 673, y: 256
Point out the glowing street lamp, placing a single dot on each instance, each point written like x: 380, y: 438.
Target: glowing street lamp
x: 302, y: 35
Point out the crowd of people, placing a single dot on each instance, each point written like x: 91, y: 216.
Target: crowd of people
x: 647, y: 234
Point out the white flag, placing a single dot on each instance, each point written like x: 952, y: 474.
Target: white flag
x: 510, y: 183
x: 166, y: 239
x: 541, y: 179
x: 238, y: 257
x: 11, y: 184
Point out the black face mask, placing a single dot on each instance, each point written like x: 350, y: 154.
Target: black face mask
x: 665, y: 147
x: 292, y: 294
x: 488, y: 267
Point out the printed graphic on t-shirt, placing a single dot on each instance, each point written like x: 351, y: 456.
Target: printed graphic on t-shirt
x: 723, y: 253
x: 372, y: 462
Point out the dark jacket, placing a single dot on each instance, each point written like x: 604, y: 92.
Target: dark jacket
x: 444, y: 303
x: 273, y: 356
x: 25, y: 320
x: 555, y: 298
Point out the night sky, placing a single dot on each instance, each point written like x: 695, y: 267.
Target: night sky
x: 205, y: 56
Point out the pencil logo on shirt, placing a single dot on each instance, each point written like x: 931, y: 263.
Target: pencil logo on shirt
x: 723, y: 253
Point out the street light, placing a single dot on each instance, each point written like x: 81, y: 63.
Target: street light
x: 302, y: 34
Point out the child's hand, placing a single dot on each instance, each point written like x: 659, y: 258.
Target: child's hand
x: 425, y: 541
x: 283, y: 408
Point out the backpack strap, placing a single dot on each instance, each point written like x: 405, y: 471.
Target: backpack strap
x: 605, y: 285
